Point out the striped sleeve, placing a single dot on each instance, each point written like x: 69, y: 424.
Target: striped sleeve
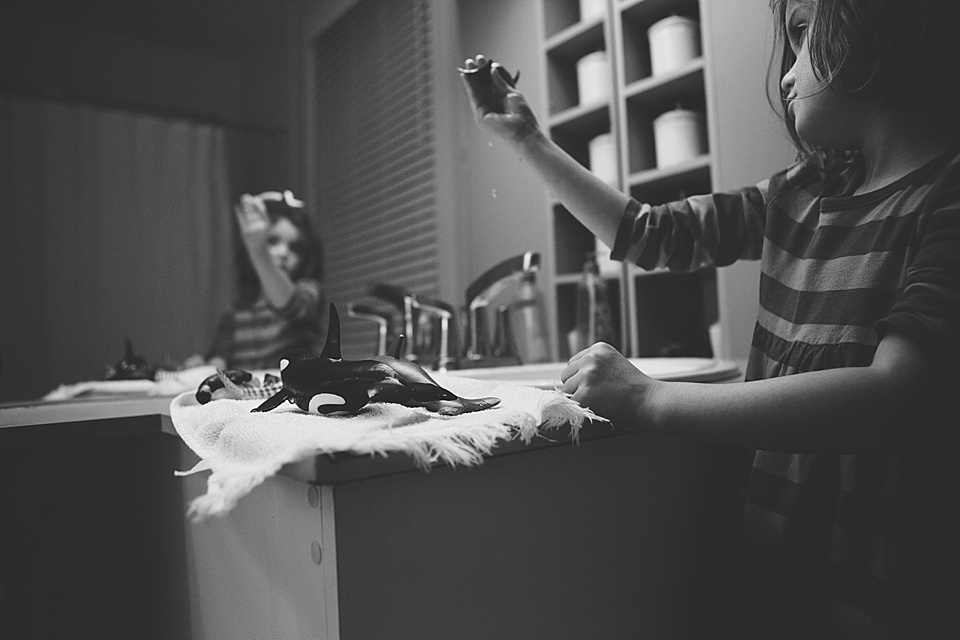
x: 305, y: 303
x: 699, y: 231
x: 928, y: 308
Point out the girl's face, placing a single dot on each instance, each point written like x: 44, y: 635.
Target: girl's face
x: 822, y: 117
x: 284, y: 243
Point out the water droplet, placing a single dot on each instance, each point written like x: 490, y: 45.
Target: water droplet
x: 494, y: 193
x: 490, y: 144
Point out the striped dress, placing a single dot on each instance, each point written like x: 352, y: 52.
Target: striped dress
x: 869, y: 542
x: 254, y: 336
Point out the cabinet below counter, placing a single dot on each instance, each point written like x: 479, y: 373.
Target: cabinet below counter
x: 603, y: 538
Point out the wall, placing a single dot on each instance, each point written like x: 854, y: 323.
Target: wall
x: 497, y: 203
x: 50, y: 56
x: 75, y: 59
x: 751, y: 142
x: 492, y: 207
x: 503, y: 203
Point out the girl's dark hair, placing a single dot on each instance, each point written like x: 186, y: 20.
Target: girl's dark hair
x: 309, y: 248
x: 898, y: 51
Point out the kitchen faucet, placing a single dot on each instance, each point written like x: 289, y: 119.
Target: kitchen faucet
x: 384, y: 322
x: 403, y: 301
x: 422, y: 318
x: 479, y: 294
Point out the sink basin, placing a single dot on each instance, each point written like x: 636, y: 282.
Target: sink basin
x: 547, y: 376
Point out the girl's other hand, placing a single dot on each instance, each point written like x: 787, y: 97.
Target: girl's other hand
x: 196, y: 360
x: 254, y: 223
x: 600, y: 378
x: 497, y: 106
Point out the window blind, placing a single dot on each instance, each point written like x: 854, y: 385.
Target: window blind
x: 376, y: 151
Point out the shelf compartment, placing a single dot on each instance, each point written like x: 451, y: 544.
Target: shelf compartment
x: 683, y: 173
x: 658, y: 90
x: 572, y: 242
x: 656, y: 186
x: 561, y: 17
x: 651, y: 98
x: 575, y: 128
x: 674, y: 312
x: 582, y: 119
x: 562, y: 57
x: 567, y: 311
x: 576, y: 40
x: 636, y: 18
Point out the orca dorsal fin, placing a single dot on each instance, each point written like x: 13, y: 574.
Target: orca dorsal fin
x: 396, y: 347
x: 331, y: 348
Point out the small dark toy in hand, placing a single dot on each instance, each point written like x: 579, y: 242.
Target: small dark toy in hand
x: 480, y: 82
x: 328, y: 384
x: 132, y: 367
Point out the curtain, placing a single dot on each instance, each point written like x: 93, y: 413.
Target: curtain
x: 113, y: 225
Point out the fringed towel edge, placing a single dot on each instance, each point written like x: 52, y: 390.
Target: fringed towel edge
x: 457, y: 446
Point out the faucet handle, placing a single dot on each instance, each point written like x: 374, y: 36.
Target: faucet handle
x: 382, y: 318
x: 446, y: 315
x: 405, y: 302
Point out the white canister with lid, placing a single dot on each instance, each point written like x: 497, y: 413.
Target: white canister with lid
x: 679, y: 135
x: 674, y: 41
x: 592, y: 9
x: 603, y: 158
x: 593, y: 78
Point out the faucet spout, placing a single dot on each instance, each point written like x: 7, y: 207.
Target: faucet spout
x: 482, y: 290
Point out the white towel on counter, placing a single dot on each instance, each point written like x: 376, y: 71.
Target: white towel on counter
x: 242, y: 449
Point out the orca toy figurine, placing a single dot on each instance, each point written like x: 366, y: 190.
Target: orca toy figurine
x: 328, y: 384
x: 132, y: 367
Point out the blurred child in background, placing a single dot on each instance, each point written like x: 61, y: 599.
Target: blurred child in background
x: 281, y: 304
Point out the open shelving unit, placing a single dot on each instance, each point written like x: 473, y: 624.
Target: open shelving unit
x: 660, y: 313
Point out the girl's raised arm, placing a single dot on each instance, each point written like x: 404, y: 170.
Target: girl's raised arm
x: 254, y: 224
x: 502, y: 110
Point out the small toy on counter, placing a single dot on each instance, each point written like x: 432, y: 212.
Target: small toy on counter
x: 237, y: 385
x: 132, y: 367
x: 481, y: 82
x: 328, y: 384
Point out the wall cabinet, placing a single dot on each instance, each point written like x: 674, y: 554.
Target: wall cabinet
x: 660, y: 313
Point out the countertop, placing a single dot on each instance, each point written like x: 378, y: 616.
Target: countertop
x: 123, y: 416
x: 112, y: 416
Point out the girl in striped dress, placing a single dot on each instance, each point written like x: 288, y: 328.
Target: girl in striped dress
x: 851, y: 522
x: 281, y: 303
